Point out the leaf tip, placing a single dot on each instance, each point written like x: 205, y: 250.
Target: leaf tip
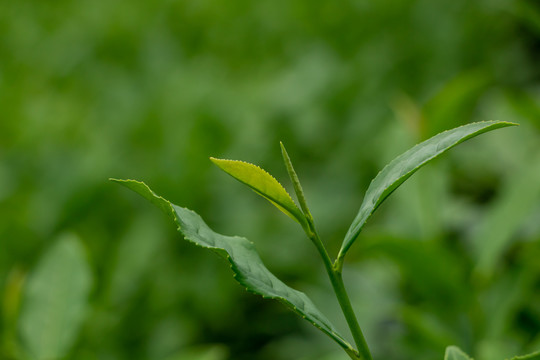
x: 284, y: 153
x: 510, y: 123
x: 283, y: 150
x: 218, y: 162
x: 504, y: 123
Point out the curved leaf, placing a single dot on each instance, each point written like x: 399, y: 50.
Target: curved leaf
x: 402, y: 167
x: 263, y: 184
x: 533, y: 356
x: 245, y: 262
x: 455, y: 353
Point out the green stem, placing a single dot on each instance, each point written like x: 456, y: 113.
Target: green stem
x: 334, y: 272
x: 345, y: 303
x: 343, y: 298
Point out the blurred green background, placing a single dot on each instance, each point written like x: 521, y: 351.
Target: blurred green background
x: 92, y: 89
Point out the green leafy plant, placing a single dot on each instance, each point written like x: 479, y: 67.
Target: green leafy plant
x: 248, y: 267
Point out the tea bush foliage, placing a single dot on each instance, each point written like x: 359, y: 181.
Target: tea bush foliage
x: 150, y: 89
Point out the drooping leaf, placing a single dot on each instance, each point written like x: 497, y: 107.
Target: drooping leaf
x: 55, y: 300
x: 245, y: 262
x: 402, y: 167
x: 455, y: 353
x: 533, y: 356
x: 263, y: 184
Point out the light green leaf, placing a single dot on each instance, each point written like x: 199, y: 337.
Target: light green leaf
x: 55, y: 300
x: 296, y: 182
x: 402, y: 167
x: 455, y: 353
x: 245, y: 262
x: 533, y: 356
x: 263, y: 184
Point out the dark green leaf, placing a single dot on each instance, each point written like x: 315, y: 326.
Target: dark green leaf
x: 245, y: 262
x: 401, y: 168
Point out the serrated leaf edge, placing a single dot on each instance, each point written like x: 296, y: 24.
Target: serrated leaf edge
x: 333, y: 335
x: 296, y: 214
x: 533, y: 355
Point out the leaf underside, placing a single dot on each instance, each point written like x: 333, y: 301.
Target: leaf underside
x: 455, y: 353
x: 402, y: 167
x: 263, y: 184
x: 245, y: 262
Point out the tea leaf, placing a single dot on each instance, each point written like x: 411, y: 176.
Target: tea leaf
x: 455, y: 353
x: 245, y: 262
x: 402, y: 167
x: 263, y: 184
x: 296, y: 182
x: 55, y: 300
x: 533, y: 356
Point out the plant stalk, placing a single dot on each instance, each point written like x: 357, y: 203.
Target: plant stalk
x: 334, y: 272
x: 345, y: 303
x: 336, y: 280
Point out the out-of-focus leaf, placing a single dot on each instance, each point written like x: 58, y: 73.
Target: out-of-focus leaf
x: 134, y: 258
x: 11, y: 304
x: 530, y: 13
x: 330, y: 356
x: 213, y: 352
x: 505, y: 216
x: 55, y: 300
x: 246, y: 264
x: 455, y: 353
x: 503, y: 300
x: 433, y: 331
x: 12, y: 296
x: 440, y: 282
x: 454, y: 101
x: 525, y: 104
x: 263, y: 184
x: 401, y: 168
